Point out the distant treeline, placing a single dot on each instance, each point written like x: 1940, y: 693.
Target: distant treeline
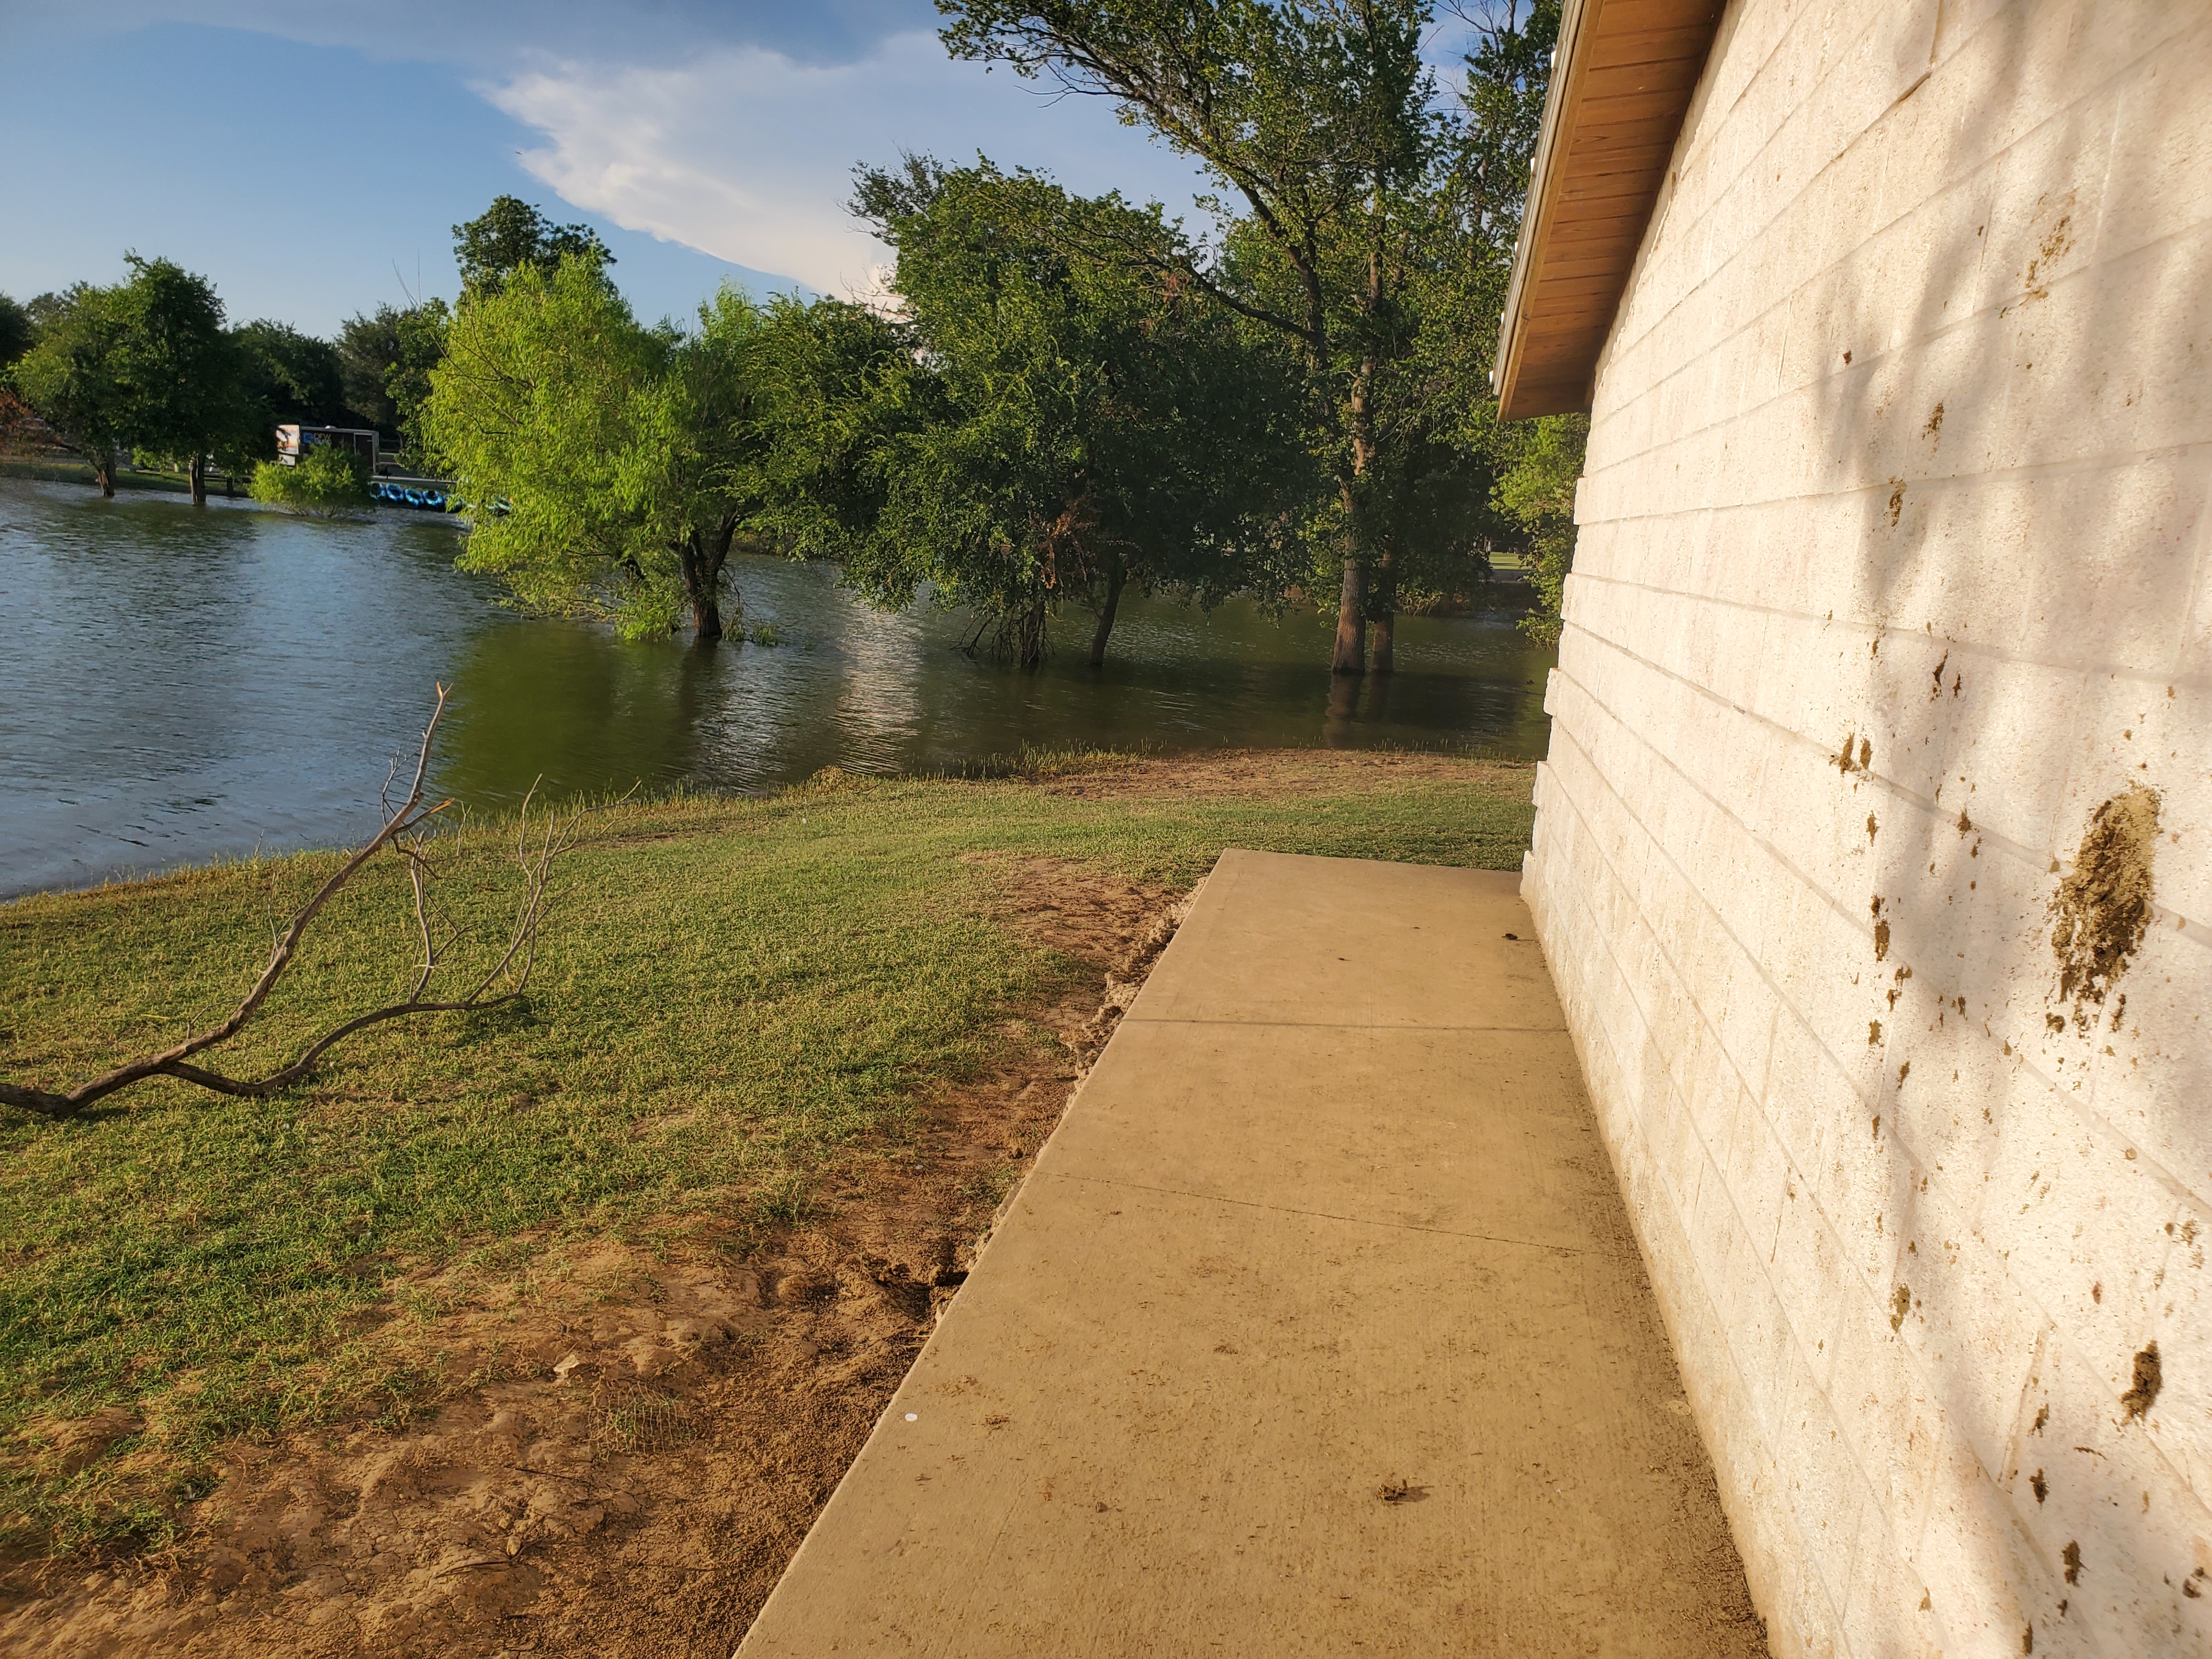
x: 1056, y: 399
x: 149, y: 367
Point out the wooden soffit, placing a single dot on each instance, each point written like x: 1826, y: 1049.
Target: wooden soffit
x: 1621, y: 85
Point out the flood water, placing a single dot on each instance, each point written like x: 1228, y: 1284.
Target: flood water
x: 179, y: 684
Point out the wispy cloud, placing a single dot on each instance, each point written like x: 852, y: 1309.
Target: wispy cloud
x: 747, y: 153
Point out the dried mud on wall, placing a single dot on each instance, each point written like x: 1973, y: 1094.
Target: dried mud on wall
x: 1871, y: 851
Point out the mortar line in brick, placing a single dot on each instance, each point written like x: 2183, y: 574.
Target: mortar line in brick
x: 2071, y: 466
x: 1913, y: 1358
x: 1970, y: 1214
x: 2100, y: 268
x: 1712, y: 1168
x: 1749, y: 246
x: 1992, y: 652
x: 1781, y: 998
x: 2202, y: 553
x: 2187, y: 926
x: 1135, y: 1018
x: 2029, y: 855
x: 1725, y: 191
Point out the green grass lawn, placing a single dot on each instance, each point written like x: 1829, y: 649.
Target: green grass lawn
x: 732, y: 996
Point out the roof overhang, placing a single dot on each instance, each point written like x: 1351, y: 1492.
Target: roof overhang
x: 1621, y: 85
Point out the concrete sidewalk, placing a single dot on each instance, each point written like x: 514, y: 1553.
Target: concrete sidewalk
x: 1317, y: 1328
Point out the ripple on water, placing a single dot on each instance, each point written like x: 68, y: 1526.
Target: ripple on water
x: 184, y: 683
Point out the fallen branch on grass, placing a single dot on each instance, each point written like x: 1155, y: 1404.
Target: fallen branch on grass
x: 406, y: 831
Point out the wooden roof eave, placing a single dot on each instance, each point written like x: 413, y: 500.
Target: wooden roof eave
x: 1624, y: 75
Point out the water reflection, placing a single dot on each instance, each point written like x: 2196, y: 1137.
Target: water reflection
x: 556, y: 703
x: 183, y: 684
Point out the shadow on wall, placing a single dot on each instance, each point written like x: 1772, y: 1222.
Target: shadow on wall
x: 2015, y: 397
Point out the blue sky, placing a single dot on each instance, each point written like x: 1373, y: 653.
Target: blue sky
x: 313, y: 163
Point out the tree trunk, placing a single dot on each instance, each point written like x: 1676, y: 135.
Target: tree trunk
x: 706, y: 618
x: 701, y: 559
x: 1386, y: 621
x: 1351, y: 656
x: 196, y: 470
x: 103, y: 469
x: 1115, y: 579
x: 1030, y: 652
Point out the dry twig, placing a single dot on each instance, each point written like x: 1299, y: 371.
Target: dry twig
x: 406, y: 829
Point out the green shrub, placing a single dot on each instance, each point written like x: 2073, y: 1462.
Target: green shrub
x: 325, y: 482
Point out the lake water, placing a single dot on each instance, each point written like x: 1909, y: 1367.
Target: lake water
x: 179, y: 684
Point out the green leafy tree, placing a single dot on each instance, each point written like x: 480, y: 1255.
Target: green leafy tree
x: 385, y: 359
x: 70, y: 376
x: 1507, y: 77
x: 1537, y: 462
x: 368, y: 348
x: 1319, y: 121
x: 512, y: 235
x: 293, y: 376
x: 420, y: 332
x: 1083, y: 421
x: 324, y: 483
x: 831, y: 385
x: 1425, y: 491
x: 1369, y: 226
x: 15, y: 331
x: 182, y: 372
x: 1438, y: 513
x: 1536, y: 488
x: 46, y: 309
x: 621, y: 458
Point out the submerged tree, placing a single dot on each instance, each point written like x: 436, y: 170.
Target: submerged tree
x: 1536, y: 462
x: 1074, y: 424
x: 1436, y: 511
x: 70, y: 376
x: 326, y: 481
x: 1319, y: 121
x: 619, y: 459
x: 186, y: 399
x: 1369, y: 223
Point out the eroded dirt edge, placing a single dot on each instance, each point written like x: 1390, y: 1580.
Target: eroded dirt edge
x: 633, y: 1442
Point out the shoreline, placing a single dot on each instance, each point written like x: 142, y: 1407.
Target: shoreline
x: 990, y: 768
x: 636, y: 1261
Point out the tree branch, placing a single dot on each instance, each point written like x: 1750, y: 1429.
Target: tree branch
x: 402, y: 831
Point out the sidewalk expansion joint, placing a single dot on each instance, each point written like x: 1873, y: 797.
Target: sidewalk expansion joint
x: 1132, y: 1018
x: 1321, y: 1215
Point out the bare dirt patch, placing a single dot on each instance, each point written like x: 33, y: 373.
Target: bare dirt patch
x: 1260, y: 771
x: 629, y: 1443
x: 1102, y: 923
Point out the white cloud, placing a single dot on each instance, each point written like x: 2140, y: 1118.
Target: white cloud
x: 748, y: 156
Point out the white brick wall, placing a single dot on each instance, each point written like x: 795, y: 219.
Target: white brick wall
x: 1909, y: 1238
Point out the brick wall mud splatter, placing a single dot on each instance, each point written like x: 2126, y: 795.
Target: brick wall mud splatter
x: 1901, y: 1046
x: 2103, y: 906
